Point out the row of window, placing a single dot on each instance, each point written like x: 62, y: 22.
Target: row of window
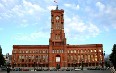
x: 84, y: 58
x: 82, y: 51
x: 57, y: 36
x: 30, y: 51
x: 31, y: 58
x: 55, y: 51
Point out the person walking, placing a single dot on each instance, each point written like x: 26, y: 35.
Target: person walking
x: 8, y: 70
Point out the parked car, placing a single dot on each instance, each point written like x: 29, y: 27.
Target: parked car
x: 77, y: 69
x: 16, y: 69
x: 67, y: 69
x: 3, y: 68
x: 63, y: 69
x: 38, y: 69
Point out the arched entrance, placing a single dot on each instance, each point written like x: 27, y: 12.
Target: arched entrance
x: 58, y: 61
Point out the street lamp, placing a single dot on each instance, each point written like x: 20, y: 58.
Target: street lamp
x: 82, y: 65
x: 65, y: 64
x: 37, y: 65
x: 101, y: 62
x: 104, y: 58
x: 74, y: 63
x: 34, y: 65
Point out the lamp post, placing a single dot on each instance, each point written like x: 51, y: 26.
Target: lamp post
x: 104, y: 58
x: 65, y: 64
x: 74, y: 64
x: 34, y: 65
x: 37, y: 65
x: 82, y: 65
x: 100, y: 63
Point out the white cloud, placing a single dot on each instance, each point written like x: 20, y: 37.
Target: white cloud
x: 72, y: 6
x: 101, y: 6
x: 51, y: 7
x: 76, y: 28
x: 103, y: 14
x: 77, y: 7
x: 30, y: 8
x: 67, y: 5
x: 31, y: 37
x: 18, y: 11
x: 2, y: 8
x: 93, y: 30
x: 24, y: 25
x: 49, y: 1
x: 24, y: 8
x: 21, y: 10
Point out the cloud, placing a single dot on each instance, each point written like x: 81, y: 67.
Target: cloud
x: 67, y: 5
x: 16, y: 11
x: 101, y: 6
x: 72, y: 6
x: 20, y: 9
x: 1, y: 8
x: 77, y: 28
x: 31, y: 8
x: 51, y: 7
x: 101, y: 13
x: 31, y: 37
x: 108, y: 13
x: 49, y: 1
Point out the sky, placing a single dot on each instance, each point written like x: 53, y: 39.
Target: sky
x: 28, y: 22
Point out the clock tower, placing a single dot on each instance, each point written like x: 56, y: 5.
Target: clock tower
x: 57, y: 41
x: 57, y: 28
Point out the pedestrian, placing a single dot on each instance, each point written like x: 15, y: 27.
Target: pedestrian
x: 8, y: 70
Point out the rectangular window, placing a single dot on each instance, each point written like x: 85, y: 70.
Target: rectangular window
x: 68, y: 51
x: 52, y: 51
x: 99, y: 50
x: 74, y: 51
x: 95, y: 50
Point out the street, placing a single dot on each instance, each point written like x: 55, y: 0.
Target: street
x: 84, y: 71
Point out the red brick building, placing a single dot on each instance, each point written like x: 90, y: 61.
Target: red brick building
x: 58, y: 52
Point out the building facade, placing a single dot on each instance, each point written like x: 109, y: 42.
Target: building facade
x: 58, y: 53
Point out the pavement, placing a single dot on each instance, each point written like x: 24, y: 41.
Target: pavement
x: 84, y: 71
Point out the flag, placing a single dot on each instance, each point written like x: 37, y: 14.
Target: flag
x: 55, y: 1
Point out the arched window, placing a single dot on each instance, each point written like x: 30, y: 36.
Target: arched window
x: 95, y: 57
x: 67, y: 51
x: 74, y: 51
x: 71, y: 57
x: 71, y: 51
x: 89, y: 58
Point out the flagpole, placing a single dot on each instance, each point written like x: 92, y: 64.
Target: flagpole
x: 56, y: 4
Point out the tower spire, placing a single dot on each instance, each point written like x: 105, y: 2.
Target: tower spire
x: 57, y: 7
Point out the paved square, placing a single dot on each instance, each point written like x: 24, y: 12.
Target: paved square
x: 84, y: 71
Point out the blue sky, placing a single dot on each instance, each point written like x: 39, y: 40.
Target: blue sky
x: 27, y: 22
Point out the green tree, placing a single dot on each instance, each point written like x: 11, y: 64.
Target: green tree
x: 107, y: 62
x: 113, y: 56
x: 2, y: 60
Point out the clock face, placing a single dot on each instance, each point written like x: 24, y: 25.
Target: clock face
x: 57, y: 18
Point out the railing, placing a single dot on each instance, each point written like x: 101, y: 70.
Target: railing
x: 112, y: 70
